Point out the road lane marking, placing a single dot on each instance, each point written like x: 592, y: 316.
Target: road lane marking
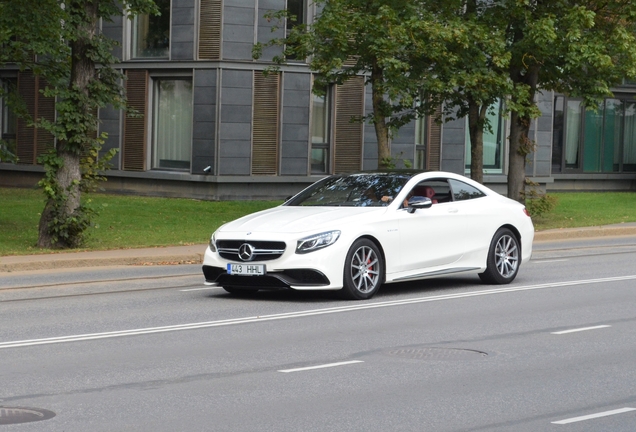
x: 306, y: 313
x: 594, y: 416
x: 547, y: 261
x: 580, y: 329
x: 329, y: 365
x: 201, y: 289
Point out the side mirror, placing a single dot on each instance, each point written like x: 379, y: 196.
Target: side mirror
x: 418, y: 202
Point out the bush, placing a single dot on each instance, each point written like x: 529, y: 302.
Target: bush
x: 540, y: 205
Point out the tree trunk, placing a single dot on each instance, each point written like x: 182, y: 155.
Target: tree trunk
x: 68, y: 175
x: 379, y: 120
x: 520, y: 143
x: 476, y: 117
x: 519, y: 128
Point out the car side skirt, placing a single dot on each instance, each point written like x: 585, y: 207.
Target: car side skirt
x: 436, y: 273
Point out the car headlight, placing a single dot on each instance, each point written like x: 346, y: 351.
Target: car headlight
x: 318, y: 241
x: 213, y: 243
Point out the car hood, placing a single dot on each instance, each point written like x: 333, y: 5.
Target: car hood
x: 288, y: 219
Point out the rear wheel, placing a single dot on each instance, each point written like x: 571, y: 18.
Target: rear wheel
x: 503, y: 258
x: 363, y: 270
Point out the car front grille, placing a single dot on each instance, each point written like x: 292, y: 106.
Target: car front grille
x: 262, y: 250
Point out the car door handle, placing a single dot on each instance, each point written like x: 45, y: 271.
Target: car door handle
x: 452, y: 210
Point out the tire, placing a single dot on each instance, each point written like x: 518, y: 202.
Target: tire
x: 504, y: 258
x: 363, y: 271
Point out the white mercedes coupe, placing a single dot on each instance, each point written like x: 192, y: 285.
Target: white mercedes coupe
x: 356, y: 232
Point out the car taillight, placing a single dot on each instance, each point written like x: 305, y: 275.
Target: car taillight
x: 525, y: 210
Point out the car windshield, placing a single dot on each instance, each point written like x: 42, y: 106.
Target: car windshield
x: 359, y: 190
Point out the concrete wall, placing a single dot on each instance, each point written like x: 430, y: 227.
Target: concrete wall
x: 238, y: 29
x: 453, y: 146
x: 370, y: 144
x: 540, y: 161
x: 204, y: 120
x: 295, y: 127
x: 264, y: 32
x: 182, y: 32
x: 235, y: 127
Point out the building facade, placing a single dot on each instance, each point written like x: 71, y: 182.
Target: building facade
x: 213, y: 126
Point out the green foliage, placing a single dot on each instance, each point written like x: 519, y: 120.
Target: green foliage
x: 61, y: 43
x: 406, y: 51
x: 393, y: 161
x: 541, y: 205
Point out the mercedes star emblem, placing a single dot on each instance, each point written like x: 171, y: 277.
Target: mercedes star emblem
x: 246, y: 252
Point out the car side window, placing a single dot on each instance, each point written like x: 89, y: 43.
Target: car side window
x: 437, y: 190
x: 463, y: 191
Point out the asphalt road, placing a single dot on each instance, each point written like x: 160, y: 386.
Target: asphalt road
x: 151, y: 349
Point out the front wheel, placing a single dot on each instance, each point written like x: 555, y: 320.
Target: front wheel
x: 503, y: 260
x: 363, y: 270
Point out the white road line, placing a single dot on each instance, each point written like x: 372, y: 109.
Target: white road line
x: 200, y: 289
x: 306, y: 313
x: 321, y: 366
x: 548, y: 261
x: 580, y: 329
x: 594, y: 416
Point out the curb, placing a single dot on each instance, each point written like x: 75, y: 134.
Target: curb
x: 174, y: 255
x: 585, y: 233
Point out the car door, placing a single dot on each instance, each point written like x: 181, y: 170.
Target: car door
x: 438, y: 237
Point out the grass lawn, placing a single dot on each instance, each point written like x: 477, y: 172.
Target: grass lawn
x: 581, y: 209
x: 123, y: 221
x: 133, y: 221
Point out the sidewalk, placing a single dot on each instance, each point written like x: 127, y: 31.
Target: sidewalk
x: 193, y: 254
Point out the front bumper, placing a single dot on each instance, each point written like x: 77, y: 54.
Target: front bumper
x: 296, y: 278
x: 318, y: 270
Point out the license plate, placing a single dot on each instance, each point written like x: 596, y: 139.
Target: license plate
x: 246, y: 269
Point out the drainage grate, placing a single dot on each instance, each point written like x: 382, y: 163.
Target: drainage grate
x: 15, y: 415
x: 427, y: 353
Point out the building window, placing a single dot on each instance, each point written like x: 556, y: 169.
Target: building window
x: 8, y: 121
x: 296, y: 15
x: 594, y: 141
x: 150, y: 35
x: 320, y: 133
x: 172, y: 124
x: 421, y: 135
x: 494, y: 139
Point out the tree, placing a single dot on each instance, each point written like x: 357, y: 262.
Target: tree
x: 396, y: 45
x: 479, y: 72
x: 60, y: 41
x: 579, y: 48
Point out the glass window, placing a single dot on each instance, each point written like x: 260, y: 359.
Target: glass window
x: 494, y: 138
x: 557, y: 135
x: 151, y: 33
x: 463, y: 191
x: 612, y: 132
x: 357, y: 190
x: 572, y: 133
x: 8, y: 121
x: 320, y: 134
x: 602, y: 140
x: 629, y: 138
x: 296, y: 16
x: 172, y: 124
x: 593, y: 140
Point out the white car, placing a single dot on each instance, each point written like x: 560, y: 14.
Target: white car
x: 355, y: 232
